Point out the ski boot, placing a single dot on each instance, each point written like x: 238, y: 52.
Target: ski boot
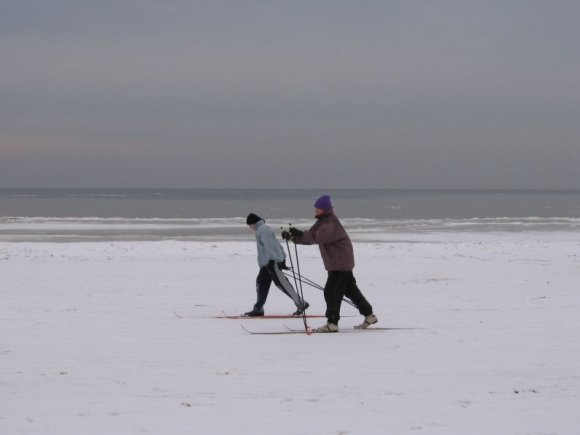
x: 329, y: 327
x: 254, y: 313
x: 301, y: 309
x: 369, y: 320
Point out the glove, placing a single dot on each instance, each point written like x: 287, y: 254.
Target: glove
x: 282, y: 265
x: 286, y: 235
x: 295, y: 232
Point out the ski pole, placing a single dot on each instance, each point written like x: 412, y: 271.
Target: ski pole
x: 311, y: 283
x: 291, y: 264
x: 298, y: 289
x: 301, y: 290
x: 319, y: 287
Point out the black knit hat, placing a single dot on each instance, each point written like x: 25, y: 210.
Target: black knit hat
x: 253, y: 218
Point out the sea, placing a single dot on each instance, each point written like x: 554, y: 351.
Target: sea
x: 49, y: 214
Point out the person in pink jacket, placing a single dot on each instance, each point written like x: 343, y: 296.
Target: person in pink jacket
x: 338, y: 258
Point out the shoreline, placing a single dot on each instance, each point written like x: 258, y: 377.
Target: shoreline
x: 26, y: 229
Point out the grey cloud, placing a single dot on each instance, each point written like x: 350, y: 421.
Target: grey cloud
x: 346, y: 94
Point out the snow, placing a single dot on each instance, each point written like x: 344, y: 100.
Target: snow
x: 89, y: 342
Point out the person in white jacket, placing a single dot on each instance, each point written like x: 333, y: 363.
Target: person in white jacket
x: 272, y: 262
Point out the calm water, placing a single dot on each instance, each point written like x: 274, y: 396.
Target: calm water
x: 282, y: 203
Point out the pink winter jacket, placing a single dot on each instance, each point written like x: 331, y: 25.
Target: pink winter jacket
x: 333, y: 241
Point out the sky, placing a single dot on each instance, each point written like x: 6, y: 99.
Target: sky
x: 290, y: 94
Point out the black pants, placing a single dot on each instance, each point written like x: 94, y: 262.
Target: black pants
x: 339, y: 285
x: 266, y: 276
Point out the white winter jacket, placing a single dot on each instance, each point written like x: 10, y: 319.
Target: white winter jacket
x: 269, y: 247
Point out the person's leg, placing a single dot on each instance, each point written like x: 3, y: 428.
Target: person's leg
x: 355, y: 295
x: 281, y: 281
x: 334, y: 291
x: 364, y: 307
x: 263, y: 282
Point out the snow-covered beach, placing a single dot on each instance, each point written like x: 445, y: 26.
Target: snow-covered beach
x: 119, y: 335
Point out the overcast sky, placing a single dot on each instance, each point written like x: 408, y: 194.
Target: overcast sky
x: 314, y: 93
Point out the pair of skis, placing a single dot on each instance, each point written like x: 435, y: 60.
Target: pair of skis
x: 291, y: 331
x: 270, y: 316
x: 309, y: 331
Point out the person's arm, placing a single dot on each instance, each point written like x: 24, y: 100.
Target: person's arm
x: 325, y: 233
x: 270, y: 244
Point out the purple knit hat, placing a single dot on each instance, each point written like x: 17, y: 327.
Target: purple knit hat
x: 323, y: 203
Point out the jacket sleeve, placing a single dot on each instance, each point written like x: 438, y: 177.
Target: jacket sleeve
x: 325, y: 233
x: 270, y: 244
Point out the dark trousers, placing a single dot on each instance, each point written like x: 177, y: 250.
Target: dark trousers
x: 266, y: 276
x: 339, y: 285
